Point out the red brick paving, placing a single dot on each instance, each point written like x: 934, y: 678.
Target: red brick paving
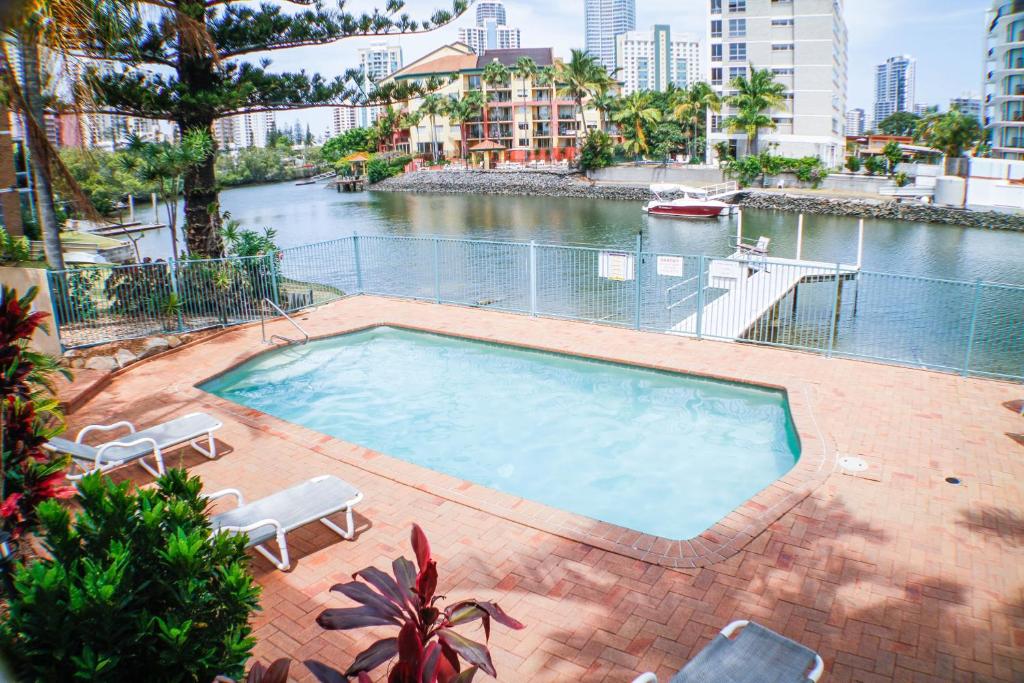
x: 892, y: 576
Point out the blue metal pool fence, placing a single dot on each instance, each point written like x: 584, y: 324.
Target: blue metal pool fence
x: 973, y: 328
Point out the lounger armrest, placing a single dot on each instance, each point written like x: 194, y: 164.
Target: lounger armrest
x: 819, y: 668
x: 105, y: 428
x: 646, y: 678
x: 731, y: 628
x: 124, y: 444
x: 253, y: 526
x: 239, y: 500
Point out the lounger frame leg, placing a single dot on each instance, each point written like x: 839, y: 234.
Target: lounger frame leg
x: 211, y: 451
x: 158, y: 471
x: 348, y: 533
x: 283, y: 563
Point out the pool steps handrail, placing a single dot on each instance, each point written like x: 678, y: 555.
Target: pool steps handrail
x: 286, y: 340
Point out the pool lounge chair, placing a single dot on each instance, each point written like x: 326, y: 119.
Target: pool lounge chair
x: 756, y: 655
x: 271, y: 518
x: 153, y: 441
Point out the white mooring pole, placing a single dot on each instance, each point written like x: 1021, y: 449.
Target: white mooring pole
x: 799, y: 237
x: 739, y: 228
x: 860, y: 243
x: 156, y: 209
x: 131, y: 207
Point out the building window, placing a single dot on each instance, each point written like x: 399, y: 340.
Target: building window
x: 716, y: 75
x: 782, y: 47
x: 737, y: 28
x: 737, y: 72
x: 716, y: 28
x: 716, y: 53
x: 737, y: 52
x: 737, y: 5
x: 783, y: 71
x: 716, y: 6
x: 782, y: 22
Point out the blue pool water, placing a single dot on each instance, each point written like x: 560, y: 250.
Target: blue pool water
x: 661, y: 453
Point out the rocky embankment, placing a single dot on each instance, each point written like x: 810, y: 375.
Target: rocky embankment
x: 880, y: 209
x: 511, y: 183
x: 570, y: 184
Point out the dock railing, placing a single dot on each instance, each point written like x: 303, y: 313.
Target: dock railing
x: 972, y: 328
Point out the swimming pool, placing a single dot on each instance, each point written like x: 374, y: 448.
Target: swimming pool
x: 661, y: 453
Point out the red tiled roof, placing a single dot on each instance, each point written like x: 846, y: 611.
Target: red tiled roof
x: 441, y: 65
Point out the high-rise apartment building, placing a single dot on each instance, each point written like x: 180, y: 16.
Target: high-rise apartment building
x: 652, y: 60
x: 1003, y: 97
x: 895, y: 86
x: 968, y: 105
x: 855, y: 122
x: 491, y: 31
x: 343, y: 119
x: 243, y: 130
x: 804, y: 44
x: 603, y: 21
x: 376, y: 62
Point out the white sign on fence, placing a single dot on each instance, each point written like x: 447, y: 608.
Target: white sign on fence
x: 670, y: 266
x: 616, y: 265
x: 724, y: 273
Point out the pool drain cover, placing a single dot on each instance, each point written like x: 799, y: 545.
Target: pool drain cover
x: 851, y: 464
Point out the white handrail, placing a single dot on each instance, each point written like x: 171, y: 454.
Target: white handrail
x: 287, y: 340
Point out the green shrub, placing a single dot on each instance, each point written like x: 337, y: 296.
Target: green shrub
x: 853, y: 164
x: 750, y: 168
x: 596, y: 152
x: 13, y: 249
x: 902, y: 180
x: 875, y: 165
x: 138, y: 589
x: 380, y: 167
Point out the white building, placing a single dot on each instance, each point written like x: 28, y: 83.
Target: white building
x: 343, y: 119
x: 1003, y: 97
x: 604, y: 20
x: 856, y: 122
x: 376, y: 62
x: 923, y: 110
x: 969, y: 105
x: 651, y: 60
x: 895, y: 86
x: 804, y: 43
x: 491, y: 31
x: 243, y: 130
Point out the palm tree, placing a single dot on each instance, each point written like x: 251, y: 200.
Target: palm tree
x: 756, y: 96
x: 461, y: 111
x: 433, y: 105
x: 952, y: 132
x: 634, y: 113
x: 580, y: 78
x: 494, y: 74
x: 164, y: 165
x: 525, y: 69
x: 690, y: 108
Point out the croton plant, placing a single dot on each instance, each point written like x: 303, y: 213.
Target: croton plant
x: 428, y: 648
x: 29, y: 416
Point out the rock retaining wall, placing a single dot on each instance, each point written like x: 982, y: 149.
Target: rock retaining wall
x: 881, y: 209
x: 511, y: 183
x: 570, y: 184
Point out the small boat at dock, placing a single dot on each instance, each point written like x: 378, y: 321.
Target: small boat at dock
x: 689, y: 202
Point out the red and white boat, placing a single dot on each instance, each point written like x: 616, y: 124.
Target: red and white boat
x: 691, y: 202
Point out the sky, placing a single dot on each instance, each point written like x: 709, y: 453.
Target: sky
x: 945, y: 36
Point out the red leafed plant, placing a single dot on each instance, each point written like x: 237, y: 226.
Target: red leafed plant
x: 29, y: 416
x: 427, y: 646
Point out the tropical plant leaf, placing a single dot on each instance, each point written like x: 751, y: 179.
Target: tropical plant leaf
x: 473, y: 652
x: 345, y: 618
x: 387, y: 586
x: 362, y: 594
x: 328, y: 674
x: 373, y: 656
x: 420, y: 545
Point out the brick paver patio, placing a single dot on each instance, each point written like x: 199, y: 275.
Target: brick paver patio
x: 892, y: 574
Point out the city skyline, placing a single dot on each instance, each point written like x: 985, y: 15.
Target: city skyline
x: 878, y: 30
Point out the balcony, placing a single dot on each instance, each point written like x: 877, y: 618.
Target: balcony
x: 499, y: 96
x: 567, y: 129
x: 541, y: 130
x: 541, y: 95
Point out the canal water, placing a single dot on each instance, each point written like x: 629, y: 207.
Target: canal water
x: 889, y: 313
x: 311, y: 213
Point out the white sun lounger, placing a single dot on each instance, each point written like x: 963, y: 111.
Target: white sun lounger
x: 757, y: 655
x: 134, y: 448
x: 271, y: 518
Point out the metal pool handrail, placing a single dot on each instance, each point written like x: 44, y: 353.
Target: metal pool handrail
x: 287, y: 340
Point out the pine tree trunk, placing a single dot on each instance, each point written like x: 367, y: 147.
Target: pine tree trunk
x: 202, y: 196
x: 40, y: 173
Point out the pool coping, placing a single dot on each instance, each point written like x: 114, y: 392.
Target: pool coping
x: 722, y: 540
